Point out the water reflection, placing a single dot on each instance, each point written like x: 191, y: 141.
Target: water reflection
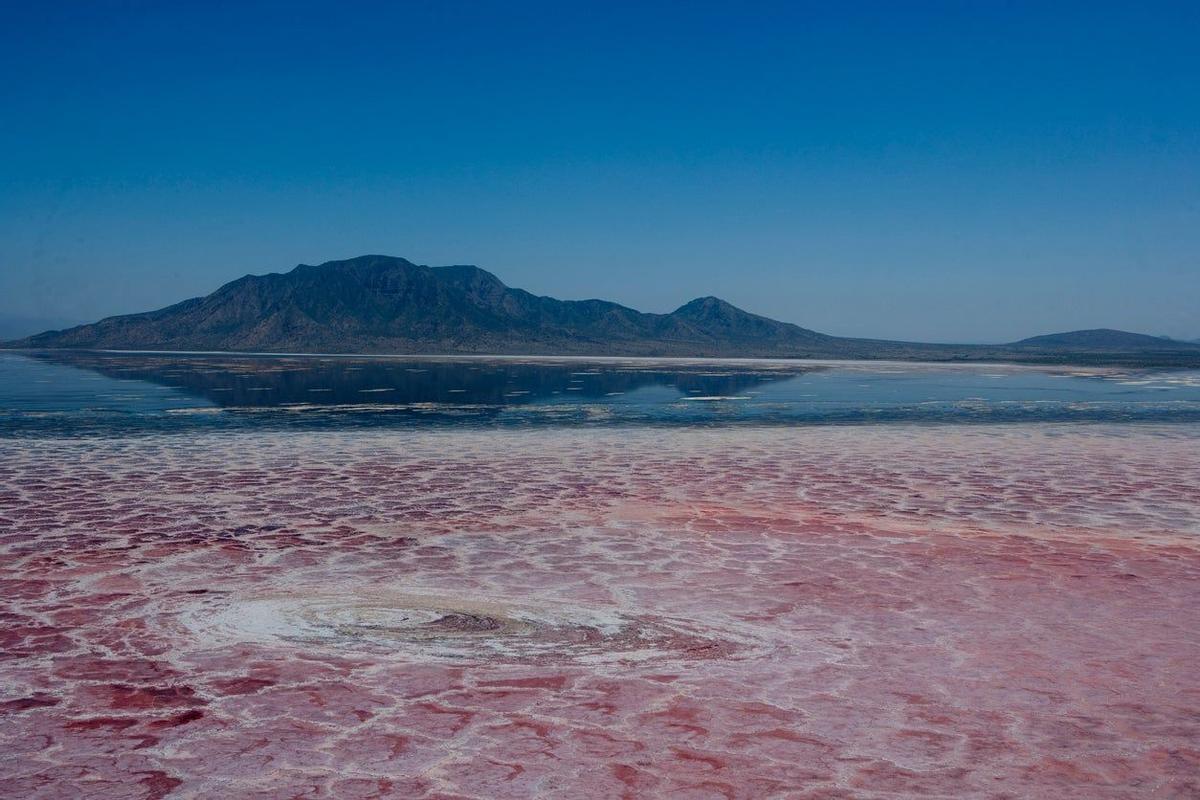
x: 270, y: 381
x: 70, y: 393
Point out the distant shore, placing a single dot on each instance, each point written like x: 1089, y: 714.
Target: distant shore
x: 1151, y: 360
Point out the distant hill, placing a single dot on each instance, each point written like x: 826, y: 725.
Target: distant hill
x: 383, y: 304
x: 1104, y: 339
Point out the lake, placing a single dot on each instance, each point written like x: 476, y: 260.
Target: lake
x: 73, y: 392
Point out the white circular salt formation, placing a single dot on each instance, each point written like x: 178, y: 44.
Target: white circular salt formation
x: 429, y: 627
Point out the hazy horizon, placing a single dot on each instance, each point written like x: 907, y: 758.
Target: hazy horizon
x: 948, y: 173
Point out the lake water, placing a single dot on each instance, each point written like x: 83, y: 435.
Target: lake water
x: 342, y: 577
x: 89, y: 392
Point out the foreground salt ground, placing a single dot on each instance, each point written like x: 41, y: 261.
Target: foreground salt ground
x: 875, y: 612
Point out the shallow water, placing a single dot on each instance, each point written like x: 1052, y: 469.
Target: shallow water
x: 68, y: 393
x: 686, y: 598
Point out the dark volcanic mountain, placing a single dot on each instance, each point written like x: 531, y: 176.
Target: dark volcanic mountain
x: 375, y: 304
x: 381, y: 304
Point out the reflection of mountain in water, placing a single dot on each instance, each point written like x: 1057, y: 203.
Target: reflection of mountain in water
x: 266, y: 381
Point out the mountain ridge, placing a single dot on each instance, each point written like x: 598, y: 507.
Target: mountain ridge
x: 386, y: 304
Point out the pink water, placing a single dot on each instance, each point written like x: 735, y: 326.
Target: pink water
x: 830, y: 612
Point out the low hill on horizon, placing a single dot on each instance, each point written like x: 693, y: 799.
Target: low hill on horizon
x: 385, y: 304
x: 1106, y: 339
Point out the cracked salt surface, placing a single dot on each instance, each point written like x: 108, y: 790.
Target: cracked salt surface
x: 867, y: 611
x: 892, y: 611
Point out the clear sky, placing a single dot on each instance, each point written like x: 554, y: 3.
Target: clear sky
x: 966, y: 171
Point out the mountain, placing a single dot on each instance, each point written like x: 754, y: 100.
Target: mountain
x: 1101, y: 339
x: 383, y: 304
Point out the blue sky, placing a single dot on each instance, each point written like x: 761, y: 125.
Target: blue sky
x: 937, y: 171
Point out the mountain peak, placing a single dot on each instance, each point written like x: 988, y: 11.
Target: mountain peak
x: 363, y: 262
x: 706, y: 300
x: 707, y: 306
